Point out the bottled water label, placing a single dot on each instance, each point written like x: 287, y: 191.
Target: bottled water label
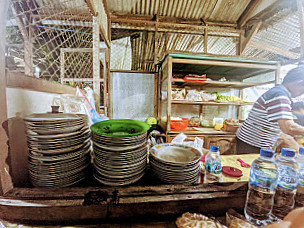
x: 287, y: 178
x: 263, y: 178
x: 213, y: 166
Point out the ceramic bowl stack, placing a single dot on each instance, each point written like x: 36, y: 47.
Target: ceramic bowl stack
x: 59, y: 149
x: 119, y: 151
x: 175, y: 163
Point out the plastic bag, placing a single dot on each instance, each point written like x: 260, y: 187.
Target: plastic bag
x: 197, y: 143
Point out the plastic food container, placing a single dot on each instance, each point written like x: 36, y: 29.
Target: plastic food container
x: 179, y: 124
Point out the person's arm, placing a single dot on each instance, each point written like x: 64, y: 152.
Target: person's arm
x: 289, y: 127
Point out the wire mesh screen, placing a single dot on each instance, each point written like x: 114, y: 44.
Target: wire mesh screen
x: 38, y: 30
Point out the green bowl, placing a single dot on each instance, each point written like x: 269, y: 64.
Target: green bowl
x: 120, y: 128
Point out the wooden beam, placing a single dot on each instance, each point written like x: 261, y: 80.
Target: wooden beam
x: 5, y: 178
x: 20, y: 80
x: 301, y: 20
x: 80, y: 79
x: 247, y: 14
x: 274, y: 49
x: 147, y: 23
x: 251, y: 33
x: 99, y: 12
x: 100, y: 204
x: 205, y: 40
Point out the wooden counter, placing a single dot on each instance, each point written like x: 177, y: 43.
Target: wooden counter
x: 131, y: 203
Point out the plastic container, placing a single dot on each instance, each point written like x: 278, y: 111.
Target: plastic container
x: 218, y: 123
x: 288, y: 170
x: 213, y: 166
x: 179, y: 124
x: 300, y: 189
x: 261, y: 188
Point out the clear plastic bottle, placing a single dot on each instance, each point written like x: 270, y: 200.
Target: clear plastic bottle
x: 284, y: 198
x: 300, y: 189
x: 213, y: 166
x: 261, y: 188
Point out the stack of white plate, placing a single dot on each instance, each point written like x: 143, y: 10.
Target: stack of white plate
x: 59, y: 149
x: 175, y: 163
x: 119, y: 161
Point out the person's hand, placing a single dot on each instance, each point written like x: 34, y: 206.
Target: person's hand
x: 295, y: 219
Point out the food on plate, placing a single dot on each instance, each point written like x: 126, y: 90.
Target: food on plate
x: 189, y: 220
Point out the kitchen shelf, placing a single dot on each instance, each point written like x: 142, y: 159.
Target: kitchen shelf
x: 217, y: 84
x: 209, y: 103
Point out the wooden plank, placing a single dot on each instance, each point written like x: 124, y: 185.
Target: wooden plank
x: 96, y: 63
x: 99, y: 11
x: 165, y: 26
x: 185, y: 102
x: 81, y: 80
x: 222, y: 63
x: 20, y: 80
x: 251, y: 33
x: 132, y: 71
x: 5, y: 178
x: 219, y: 84
x: 273, y: 49
x: 200, y: 131
x: 18, y: 152
x: 169, y: 85
x: 75, y: 205
x: 206, y: 40
x: 76, y: 49
x: 247, y: 14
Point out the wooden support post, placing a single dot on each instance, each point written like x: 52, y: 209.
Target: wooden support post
x: 28, y: 41
x: 169, y: 87
x: 5, y: 179
x: 206, y: 41
x: 96, y: 63
x: 62, y: 63
x: 301, y: 20
x: 28, y: 54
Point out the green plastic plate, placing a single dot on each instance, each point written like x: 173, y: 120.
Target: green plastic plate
x: 120, y: 128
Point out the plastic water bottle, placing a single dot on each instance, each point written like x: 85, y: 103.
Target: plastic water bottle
x: 284, y: 198
x: 300, y: 189
x: 213, y: 166
x: 262, y: 183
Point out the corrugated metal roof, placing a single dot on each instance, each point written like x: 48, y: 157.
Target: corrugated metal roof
x: 210, y: 10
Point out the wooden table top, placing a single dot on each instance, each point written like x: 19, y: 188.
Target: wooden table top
x: 231, y: 160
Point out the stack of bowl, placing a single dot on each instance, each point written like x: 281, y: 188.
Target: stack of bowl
x: 175, y: 163
x: 119, y: 151
x: 59, y: 149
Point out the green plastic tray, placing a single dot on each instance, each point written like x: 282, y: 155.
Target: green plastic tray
x: 120, y: 128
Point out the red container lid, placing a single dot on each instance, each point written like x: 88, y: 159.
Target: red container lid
x: 231, y: 171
